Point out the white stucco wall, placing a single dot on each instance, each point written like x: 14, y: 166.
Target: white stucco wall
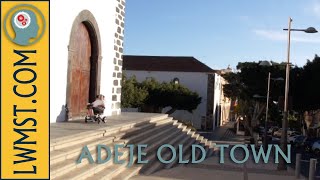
x: 217, y: 100
x: 194, y: 81
x: 62, y: 16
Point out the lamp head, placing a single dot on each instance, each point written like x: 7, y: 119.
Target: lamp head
x: 310, y: 30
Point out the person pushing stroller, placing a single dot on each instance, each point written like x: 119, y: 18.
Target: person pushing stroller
x: 98, y: 105
x: 96, y: 109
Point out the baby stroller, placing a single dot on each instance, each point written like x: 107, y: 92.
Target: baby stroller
x: 94, y: 114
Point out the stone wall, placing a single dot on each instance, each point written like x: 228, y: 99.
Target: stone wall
x: 117, y: 61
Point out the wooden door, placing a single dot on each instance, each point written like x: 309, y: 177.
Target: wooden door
x: 80, y: 73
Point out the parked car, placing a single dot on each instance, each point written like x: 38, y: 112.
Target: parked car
x: 308, y: 143
x: 289, y: 132
x: 273, y: 129
x: 278, y: 133
x: 316, y: 147
x: 291, y: 138
x: 299, y: 140
x: 294, y: 133
x: 275, y: 140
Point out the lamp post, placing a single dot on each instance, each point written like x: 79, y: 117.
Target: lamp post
x: 266, y: 121
x: 267, y: 63
x: 283, y: 142
x: 267, y: 109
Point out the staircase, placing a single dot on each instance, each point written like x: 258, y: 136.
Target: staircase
x: 153, y: 132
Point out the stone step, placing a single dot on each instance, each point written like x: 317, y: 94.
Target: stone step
x: 152, y: 157
x: 198, y: 151
x: 151, y: 152
x: 137, y: 130
x: 208, y: 146
x: 159, y: 117
x: 129, y: 173
x: 67, y: 165
x: 158, y: 139
x: 109, y: 173
x: 186, y: 146
x: 144, y: 136
x: 72, y: 153
x: 162, y: 140
x: 155, y: 165
x: 203, y: 144
x: 213, y: 150
x: 88, y: 170
x: 154, y: 133
x: 57, y: 156
x: 188, y: 153
x: 128, y: 128
x: 195, y: 140
x: 84, y: 138
x: 69, y: 152
x: 143, y: 121
x: 112, y: 172
x: 68, y: 141
x: 75, y: 140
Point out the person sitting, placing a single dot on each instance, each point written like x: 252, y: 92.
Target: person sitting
x: 98, y: 105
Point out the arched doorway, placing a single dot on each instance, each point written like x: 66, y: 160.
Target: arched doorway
x: 84, y: 65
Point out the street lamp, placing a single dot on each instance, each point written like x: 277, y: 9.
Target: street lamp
x: 283, y: 142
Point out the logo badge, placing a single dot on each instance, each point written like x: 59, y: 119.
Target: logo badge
x: 24, y: 24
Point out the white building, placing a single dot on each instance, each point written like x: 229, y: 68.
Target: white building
x: 189, y: 72
x: 86, y: 48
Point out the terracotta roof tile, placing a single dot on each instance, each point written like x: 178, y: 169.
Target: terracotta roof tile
x: 164, y: 63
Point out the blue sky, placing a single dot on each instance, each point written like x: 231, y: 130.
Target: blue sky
x: 220, y: 33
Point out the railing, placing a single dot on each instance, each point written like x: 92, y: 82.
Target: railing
x: 312, y: 167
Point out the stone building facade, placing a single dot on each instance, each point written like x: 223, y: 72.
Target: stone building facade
x: 189, y: 72
x: 117, y: 60
x: 86, y: 49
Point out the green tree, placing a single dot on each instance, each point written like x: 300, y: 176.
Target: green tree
x: 133, y: 95
x: 249, y: 81
x: 307, y: 87
x: 153, y: 96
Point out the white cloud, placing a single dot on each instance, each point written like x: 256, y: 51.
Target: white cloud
x: 316, y: 8
x: 313, y: 8
x: 282, y: 36
x: 244, y: 18
x: 272, y: 35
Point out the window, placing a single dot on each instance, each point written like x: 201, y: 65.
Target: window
x: 175, y: 80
